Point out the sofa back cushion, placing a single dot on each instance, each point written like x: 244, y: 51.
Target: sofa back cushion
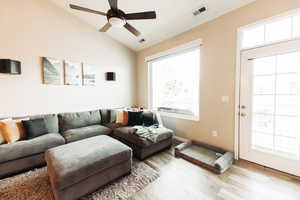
x: 69, y: 121
x: 148, y: 118
x: 151, y: 118
x: 51, y: 122
x: 108, y: 116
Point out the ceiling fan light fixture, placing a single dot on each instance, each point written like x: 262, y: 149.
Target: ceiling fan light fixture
x: 118, y: 18
x: 117, y: 22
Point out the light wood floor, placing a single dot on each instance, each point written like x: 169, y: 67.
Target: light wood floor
x: 244, y: 181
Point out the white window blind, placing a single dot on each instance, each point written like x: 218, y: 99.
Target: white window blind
x: 174, y: 83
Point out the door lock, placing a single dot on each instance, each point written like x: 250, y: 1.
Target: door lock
x: 243, y: 114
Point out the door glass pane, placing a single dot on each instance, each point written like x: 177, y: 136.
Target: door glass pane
x: 264, y: 85
x: 276, y: 104
x: 263, y: 104
x: 263, y: 123
x: 279, y: 30
x: 253, y: 37
x: 262, y: 140
x: 288, y: 126
x: 288, y: 105
x: 264, y: 66
x: 287, y: 145
x: 296, y: 26
x: 288, y: 84
x: 287, y: 63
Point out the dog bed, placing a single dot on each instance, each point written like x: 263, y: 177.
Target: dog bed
x: 206, y: 156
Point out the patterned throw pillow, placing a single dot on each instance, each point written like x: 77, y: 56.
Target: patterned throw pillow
x: 12, y: 130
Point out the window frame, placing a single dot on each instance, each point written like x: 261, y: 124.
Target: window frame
x: 264, y: 22
x: 169, y: 53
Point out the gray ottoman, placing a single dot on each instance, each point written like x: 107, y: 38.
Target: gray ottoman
x: 82, y: 167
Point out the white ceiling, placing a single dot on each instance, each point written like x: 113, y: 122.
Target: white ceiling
x: 173, y: 17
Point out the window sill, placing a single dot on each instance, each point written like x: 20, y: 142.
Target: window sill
x: 180, y: 116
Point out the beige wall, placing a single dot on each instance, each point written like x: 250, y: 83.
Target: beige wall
x: 217, y: 70
x: 34, y: 28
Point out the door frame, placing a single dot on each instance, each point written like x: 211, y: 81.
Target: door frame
x: 238, y: 67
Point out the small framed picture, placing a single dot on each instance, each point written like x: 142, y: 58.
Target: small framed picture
x: 73, y: 73
x: 89, y: 75
x: 52, y: 71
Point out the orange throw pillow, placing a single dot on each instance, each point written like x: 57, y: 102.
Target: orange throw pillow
x: 2, y: 140
x: 122, y: 117
x: 12, y: 130
x: 125, y: 118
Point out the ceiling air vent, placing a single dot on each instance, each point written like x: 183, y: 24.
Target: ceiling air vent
x: 142, y: 40
x: 199, y: 11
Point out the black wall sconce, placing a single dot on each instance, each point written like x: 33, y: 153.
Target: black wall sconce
x: 110, y: 76
x: 8, y: 66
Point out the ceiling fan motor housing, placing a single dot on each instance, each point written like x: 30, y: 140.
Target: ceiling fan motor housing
x: 116, y: 18
x: 115, y: 13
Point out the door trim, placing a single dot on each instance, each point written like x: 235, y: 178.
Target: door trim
x: 237, y: 96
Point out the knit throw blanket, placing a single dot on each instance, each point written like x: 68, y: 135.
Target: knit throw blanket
x: 150, y: 133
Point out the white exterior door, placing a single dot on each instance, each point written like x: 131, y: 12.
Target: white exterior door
x: 270, y: 106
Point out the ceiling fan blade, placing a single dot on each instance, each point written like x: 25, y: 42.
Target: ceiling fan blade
x: 132, y: 29
x: 113, y: 4
x: 105, y: 27
x: 141, y: 15
x: 87, y: 10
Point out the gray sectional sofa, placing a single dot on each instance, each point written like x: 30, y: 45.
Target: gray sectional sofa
x: 70, y: 127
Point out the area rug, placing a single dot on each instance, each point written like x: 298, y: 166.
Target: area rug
x: 35, y: 185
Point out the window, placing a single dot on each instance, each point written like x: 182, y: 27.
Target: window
x: 275, y: 30
x: 174, y: 83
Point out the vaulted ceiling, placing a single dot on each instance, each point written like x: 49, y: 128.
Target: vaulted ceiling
x: 173, y: 17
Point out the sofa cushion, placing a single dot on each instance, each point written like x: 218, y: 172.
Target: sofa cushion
x: 73, y: 135
x: 69, y: 121
x: 51, y: 122
x: 127, y: 134
x: 34, y: 146
x: 35, y: 128
x: 74, y: 162
x: 113, y: 126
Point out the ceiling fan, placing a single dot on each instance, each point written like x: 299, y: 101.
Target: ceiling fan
x: 118, y: 18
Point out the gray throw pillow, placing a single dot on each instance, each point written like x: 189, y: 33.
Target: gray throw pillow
x: 34, y: 128
x: 135, y: 118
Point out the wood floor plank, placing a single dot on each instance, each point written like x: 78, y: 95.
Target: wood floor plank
x: 244, y: 181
